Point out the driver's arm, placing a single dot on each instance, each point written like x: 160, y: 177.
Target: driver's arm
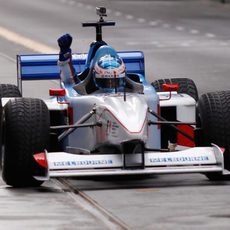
x: 67, y: 71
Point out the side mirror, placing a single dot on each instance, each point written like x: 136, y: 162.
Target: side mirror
x: 57, y: 92
x: 170, y: 87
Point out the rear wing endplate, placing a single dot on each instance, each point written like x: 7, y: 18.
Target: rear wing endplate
x: 44, y: 66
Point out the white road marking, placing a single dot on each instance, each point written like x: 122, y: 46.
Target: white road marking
x: 210, y: 35
x: 141, y: 20
x: 129, y: 17
x: 194, y: 31
x: 178, y: 43
x: 154, y: 42
x: 153, y: 23
x: 223, y: 44
x: 118, y: 13
x: 7, y: 57
x: 26, y: 42
x: 130, y: 43
x: 179, y: 28
x: 109, y: 11
x: 160, y: 45
x: 71, y: 3
x: 166, y: 25
x: 185, y: 44
x: 63, y: 1
x: 89, y: 7
x: 42, y: 48
x: 79, y: 4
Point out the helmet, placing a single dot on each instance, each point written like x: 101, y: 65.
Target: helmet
x: 109, y: 72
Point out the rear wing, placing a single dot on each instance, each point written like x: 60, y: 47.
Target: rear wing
x: 44, y: 66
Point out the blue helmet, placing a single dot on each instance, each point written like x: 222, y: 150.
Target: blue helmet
x: 109, y: 72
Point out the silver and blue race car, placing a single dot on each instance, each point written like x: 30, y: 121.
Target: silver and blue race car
x: 109, y: 120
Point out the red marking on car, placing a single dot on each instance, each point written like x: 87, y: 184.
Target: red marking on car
x: 222, y: 149
x: 40, y: 158
x: 57, y: 92
x: 72, y: 70
x: 181, y: 139
x: 170, y: 87
x: 70, y: 115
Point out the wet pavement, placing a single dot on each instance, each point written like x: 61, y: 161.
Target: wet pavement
x: 47, y: 207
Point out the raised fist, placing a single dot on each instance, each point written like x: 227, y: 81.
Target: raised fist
x: 65, y: 42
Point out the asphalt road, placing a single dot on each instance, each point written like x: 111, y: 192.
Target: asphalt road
x: 180, y: 39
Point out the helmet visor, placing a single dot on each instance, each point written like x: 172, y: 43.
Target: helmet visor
x: 109, y: 72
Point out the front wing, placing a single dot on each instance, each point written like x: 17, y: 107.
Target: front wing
x: 192, y: 160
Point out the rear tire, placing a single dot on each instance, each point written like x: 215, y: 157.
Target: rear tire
x: 8, y: 90
x: 186, y: 86
x: 26, y: 133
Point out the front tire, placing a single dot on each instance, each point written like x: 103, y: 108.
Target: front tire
x: 6, y: 90
x: 26, y: 133
x: 213, y: 118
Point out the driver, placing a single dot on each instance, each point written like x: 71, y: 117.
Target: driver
x: 109, y: 72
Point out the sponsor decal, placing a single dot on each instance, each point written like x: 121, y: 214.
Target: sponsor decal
x: 178, y: 159
x: 115, y: 130
x: 83, y: 162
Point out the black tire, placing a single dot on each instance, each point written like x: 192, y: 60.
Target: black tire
x: 1, y: 129
x: 217, y: 177
x: 26, y: 133
x: 213, y: 113
x: 8, y: 90
x: 186, y: 86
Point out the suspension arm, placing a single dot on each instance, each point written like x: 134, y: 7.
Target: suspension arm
x: 171, y: 124
x: 76, y: 125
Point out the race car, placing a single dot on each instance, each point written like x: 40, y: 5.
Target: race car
x: 132, y: 128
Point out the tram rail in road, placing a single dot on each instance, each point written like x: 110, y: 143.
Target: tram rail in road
x: 110, y: 220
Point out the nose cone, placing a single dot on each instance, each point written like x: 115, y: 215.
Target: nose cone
x: 131, y: 114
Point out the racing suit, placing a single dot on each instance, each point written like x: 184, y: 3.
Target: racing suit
x: 68, y: 74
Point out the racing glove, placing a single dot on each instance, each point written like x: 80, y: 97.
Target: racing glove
x: 67, y: 71
x: 64, y: 43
